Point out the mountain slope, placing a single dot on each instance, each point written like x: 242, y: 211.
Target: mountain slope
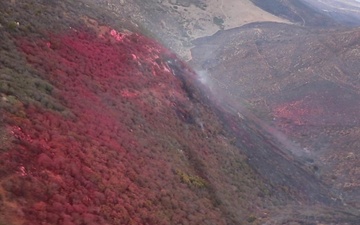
x: 177, y: 23
x: 101, y: 125
x: 302, y: 85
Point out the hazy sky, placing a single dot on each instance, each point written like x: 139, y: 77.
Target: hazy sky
x: 345, y: 7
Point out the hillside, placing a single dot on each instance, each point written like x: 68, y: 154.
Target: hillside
x: 178, y: 22
x: 300, y: 85
x: 102, y: 125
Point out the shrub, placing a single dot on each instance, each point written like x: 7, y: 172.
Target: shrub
x: 191, y: 180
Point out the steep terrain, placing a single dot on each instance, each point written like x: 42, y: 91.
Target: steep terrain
x: 303, y: 86
x: 100, y: 124
x: 177, y: 22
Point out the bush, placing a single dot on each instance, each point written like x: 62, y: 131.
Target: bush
x: 191, y: 180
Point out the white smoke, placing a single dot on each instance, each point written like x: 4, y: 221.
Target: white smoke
x: 205, y: 78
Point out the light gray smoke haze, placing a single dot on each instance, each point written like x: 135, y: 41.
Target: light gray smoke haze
x: 347, y: 11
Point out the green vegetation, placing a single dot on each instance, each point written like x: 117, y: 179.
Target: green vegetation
x: 219, y: 22
x: 12, y: 25
x: 251, y: 219
x: 191, y: 180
